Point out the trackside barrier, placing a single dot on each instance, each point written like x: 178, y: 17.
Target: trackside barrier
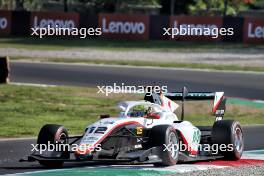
x: 156, y: 25
x: 20, y: 23
x: 236, y: 23
x: 4, y: 69
x: 253, y: 30
x: 133, y: 26
x: 196, y: 22
x: 5, y: 23
x: 124, y: 26
x: 53, y: 19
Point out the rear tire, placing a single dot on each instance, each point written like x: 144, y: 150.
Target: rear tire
x: 54, y: 134
x: 229, y: 132
x: 165, y: 134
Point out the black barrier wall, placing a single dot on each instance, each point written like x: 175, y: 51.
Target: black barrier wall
x: 247, y: 29
x: 88, y: 20
x: 237, y: 24
x: 20, y: 23
x: 157, y: 23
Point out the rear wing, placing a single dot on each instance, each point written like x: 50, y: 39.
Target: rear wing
x: 191, y: 95
x: 219, y: 100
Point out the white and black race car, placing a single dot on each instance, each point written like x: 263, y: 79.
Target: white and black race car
x: 146, y: 131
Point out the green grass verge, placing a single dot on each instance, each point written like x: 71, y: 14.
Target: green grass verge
x: 24, y: 109
x: 92, y: 43
x: 148, y: 63
x: 124, y: 45
x: 245, y: 102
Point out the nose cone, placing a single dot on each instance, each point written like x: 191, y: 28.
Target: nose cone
x: 83, y: 153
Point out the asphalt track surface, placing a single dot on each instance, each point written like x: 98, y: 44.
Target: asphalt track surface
x: 13, y: 150
x: 234, y: 84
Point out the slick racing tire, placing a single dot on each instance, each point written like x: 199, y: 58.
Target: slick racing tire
x: 53, y: 134
x: 229, y: 133
x: 165, y: 134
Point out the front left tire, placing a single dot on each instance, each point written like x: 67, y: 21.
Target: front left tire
x: 165, y: 135
x: 53, y: 134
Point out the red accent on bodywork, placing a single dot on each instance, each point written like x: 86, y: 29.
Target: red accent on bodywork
x: 153, y: 115
x: 190, y: 150
x: 216, y: 106
x: 169, y: 104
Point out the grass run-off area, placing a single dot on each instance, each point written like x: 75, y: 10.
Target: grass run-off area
x: 125, y: 45
x: 59, y: 44
x: 147, y: 63
x: 25, y: 109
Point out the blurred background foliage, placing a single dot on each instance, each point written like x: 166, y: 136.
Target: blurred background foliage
x: 166, y: 7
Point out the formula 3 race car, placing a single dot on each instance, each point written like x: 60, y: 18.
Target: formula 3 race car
x: 146, y: 131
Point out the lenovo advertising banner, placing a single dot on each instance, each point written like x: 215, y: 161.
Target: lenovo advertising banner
x: 5, y: 23
x: 253, y: 31
x: 53, y: 19
x: 196, y: 28
x: 123, y: 26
